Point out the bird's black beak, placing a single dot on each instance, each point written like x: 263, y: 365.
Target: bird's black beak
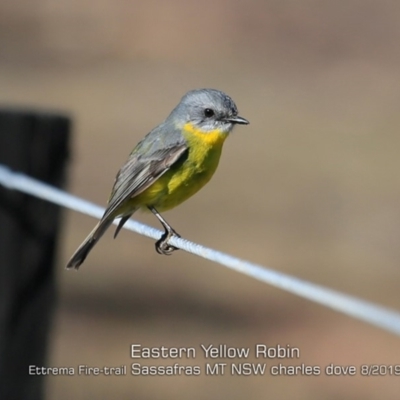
x: 237, y: 120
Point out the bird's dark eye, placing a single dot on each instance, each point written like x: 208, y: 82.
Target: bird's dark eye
x: 208, y: 112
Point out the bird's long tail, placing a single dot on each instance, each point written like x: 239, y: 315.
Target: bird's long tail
x: 83, y: 250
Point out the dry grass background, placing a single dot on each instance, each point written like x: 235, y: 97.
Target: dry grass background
x: 310, y: 188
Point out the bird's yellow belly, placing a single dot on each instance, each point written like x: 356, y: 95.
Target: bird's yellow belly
x: 185, y: 179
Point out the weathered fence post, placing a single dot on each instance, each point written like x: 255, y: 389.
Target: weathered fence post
x: 37, y: 144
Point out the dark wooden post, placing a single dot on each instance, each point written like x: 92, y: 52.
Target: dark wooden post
x: 36, y: 144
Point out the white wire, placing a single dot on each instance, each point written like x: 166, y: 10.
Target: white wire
x: 379, y: 316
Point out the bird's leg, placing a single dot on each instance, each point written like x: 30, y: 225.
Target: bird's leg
x: 162, y: 246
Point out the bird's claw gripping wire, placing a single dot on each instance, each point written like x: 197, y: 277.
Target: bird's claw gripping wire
x: 162, y: 245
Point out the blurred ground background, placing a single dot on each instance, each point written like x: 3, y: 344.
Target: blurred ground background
x: 310, y: 188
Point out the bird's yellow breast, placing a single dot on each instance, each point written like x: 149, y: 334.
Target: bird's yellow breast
x: 212, y: 138
x: 185, y: 178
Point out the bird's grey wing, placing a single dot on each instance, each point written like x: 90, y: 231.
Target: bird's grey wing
x: 144, y: 166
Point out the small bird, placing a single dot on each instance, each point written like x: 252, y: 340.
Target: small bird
x: 169, y: 165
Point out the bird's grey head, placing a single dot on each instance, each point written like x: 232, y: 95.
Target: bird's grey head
x: 207, y: 109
